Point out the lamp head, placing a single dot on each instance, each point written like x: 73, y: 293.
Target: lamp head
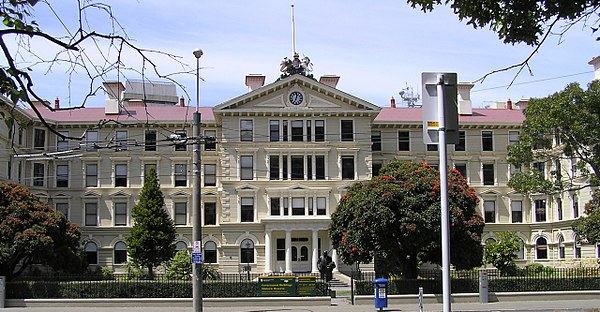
x: 198, y: 53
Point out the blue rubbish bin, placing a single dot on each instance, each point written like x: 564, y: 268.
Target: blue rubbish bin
x: 381, y: 299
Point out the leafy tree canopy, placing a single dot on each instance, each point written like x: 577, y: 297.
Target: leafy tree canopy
x: 31, y: 232
x: 519, y: 21
x: 395, y: 218
x: 503, y: 252
x: 151, y: 241
x: 588, y: 228
x: 571, y: 117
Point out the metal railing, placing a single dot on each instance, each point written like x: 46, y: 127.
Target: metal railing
x: 544, y: 279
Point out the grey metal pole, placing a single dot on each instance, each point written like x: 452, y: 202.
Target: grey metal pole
x: 444, y: 196
x: 2, y: 291
x: 197, y: 194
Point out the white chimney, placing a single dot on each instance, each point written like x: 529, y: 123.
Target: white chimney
x: 596, y: 63
x: 330, y: 80
x: 255, y: 81
x: 113, y: 90
x: 465, y: 107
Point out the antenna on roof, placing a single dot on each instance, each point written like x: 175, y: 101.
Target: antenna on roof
x: 293, y: 32
x: 409, y: 97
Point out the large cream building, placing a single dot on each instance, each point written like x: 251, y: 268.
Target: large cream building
x: 285, y: 154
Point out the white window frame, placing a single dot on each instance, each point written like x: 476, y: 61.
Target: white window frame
x: 115, y: 215
x: 62, y: 144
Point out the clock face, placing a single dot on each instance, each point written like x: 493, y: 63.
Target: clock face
x: 296, y: 98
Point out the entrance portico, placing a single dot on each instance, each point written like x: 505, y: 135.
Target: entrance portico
x: 294, y: 246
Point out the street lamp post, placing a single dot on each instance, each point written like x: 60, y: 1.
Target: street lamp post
x: 197, y: 194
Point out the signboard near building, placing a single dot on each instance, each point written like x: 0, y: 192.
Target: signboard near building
x: 307, y: 286
x: 277, y: 286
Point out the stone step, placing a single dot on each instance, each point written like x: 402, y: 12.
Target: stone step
x: 337, y: 283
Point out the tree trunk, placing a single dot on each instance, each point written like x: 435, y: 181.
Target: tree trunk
x: 150, y: 272
x: 410, y: 268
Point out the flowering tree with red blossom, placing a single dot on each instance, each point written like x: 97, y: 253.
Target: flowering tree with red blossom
x: 32, y: 232
x: 395, y: 219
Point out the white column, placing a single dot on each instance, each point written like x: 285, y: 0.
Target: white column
x: 288, y: 251
x: 268, y: 251
x: 280, y: 166
x: 334, y: 257
x: 315, y: 251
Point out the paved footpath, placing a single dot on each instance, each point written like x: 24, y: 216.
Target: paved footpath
x: 342, y: 306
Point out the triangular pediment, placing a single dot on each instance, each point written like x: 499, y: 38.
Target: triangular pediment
x: 120, y: 194
x: 61, y: 195
x: 246, y: 188
x: 180, y: 194
x: 489, y: 193
x: 90, y: 194
x: 42, y: 195
x: 296, y: 94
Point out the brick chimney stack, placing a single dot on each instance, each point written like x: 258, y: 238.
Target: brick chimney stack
x: 509, y: 104
x: 393, y: 102
x: 57, y: 103
x: 181, y: 101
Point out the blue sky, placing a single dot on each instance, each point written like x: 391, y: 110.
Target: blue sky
x: 377, y: 47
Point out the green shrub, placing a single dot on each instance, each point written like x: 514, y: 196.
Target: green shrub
x: 180, y: 268
x: 538, y: 268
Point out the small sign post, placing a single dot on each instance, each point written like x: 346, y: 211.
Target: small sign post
x: 196, y: 258
x: 420, y: 299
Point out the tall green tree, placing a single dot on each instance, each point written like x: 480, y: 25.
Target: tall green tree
x: 32, y: 232
x: 588, y: 227
x: 519, y: 21
x: 502, y: 253
x: 395, y: 218
x: 152, y: 238
x: 561, y: 129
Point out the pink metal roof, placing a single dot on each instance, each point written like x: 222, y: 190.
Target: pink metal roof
x: 130, y: 114
x: 480, y: 115
x: 181, y: 114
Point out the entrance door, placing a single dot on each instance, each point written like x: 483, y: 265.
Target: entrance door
x: 301, y: 256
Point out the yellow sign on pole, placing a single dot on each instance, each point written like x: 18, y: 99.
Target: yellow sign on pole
x: 433, y: 124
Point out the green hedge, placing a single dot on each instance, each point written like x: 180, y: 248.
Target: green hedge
x: 503, y: 284
x: 133, y: 289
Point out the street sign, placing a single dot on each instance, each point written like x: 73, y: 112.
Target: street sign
x: 431, y: 114
x: 197, y: 246
x: 196, y: 258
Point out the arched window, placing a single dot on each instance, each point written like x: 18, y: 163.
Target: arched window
x: 181, y: 245
x: 91, y: 253
x: 210, y: 252
x: 303, y: 253
x: 120, y: 253
x: 541, y: 248
x: 521, y: 253
x: 295, y: 254
x: 561, y: 247
x: 247, y: 251
x: 577, y: 248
